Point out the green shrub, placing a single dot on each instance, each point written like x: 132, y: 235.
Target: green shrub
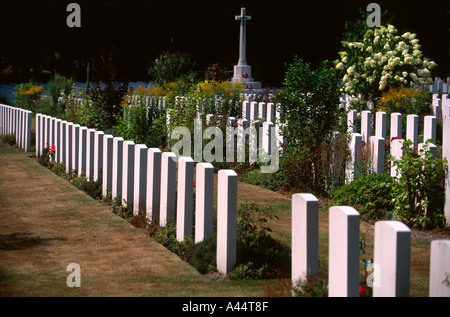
x: 372, y: 195
x: 9, y: 139
x: 48, y: 153
x: 57, y: 84
x: 27, y: 95
x: 142, y: 123
x: 91, y: 187
x: 265, y: 180
x: 167, y: 236
x: 310, y: 100
x: 102, y: 103
x: 217, y: 72
x: 261, y: 254
x: 421, y: 187
x: 173, y: 66
x: 202, y: 255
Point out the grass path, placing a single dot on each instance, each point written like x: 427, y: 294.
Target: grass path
x: 46, y: 224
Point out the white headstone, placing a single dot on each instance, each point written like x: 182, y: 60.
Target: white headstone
x: 446, y: 154
x: 98, y: 154
x: 262, y: 110
x: 58, y: 137
x: 343, y: 252
x: 396, y: 125
x: 380, y: 124
x: 305, y: 236
x: 392, y: 252
x: 397, y: 153
x: 267, y: 137
x: 270, y: 112
x: 353, y: 166
x: 153, y: 183
x: 204, y: 201
x: 90, y: 153
x: 377, y: 151
x: 246, y: 110
x: 107, y: 164
x: 429, y: 129
x: 366, y: 125
x: 185, y: 202
x: 69, y: 147
x: 63, y: 141
x: 352, y: 116
x: 140, y: 178
x: 75, y: 145
x: 168, y: 188
x: 117, y: 166
x: 128, y: 172
x: 226, y: 220
x: 82, y: 151
x: 412, y: 129
x: 440, y: 268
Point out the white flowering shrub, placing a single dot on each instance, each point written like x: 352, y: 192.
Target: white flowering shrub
x: 382, y: 60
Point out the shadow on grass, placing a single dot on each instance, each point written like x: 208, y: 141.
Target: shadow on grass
x: 23, y: 240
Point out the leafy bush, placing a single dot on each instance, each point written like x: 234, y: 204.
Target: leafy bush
x: 218, y: 73
x: 57, y: 84
x: 354, y: 30
x: 9, y: 139
x: 102, y: 104
x: 258, y: 254
x: 171, y: 67
x: 142, y: 122
x: 381, y: 60
x: 265, y: 180
x: 416, y: 197
x: 406, y: 101
x: 309, y: 100
x: 167, y: 236
x: 372, y: 195
x: 421, y: 187
x: 91, y: 187
x: 26, y: 96
x: 202, y: 255
x: 48, y: 153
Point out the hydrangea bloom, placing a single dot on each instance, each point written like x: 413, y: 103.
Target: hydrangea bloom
x: 381, y: 60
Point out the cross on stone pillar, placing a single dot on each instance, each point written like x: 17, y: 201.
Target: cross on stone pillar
x: 243, y: 71
x: 243, y: 36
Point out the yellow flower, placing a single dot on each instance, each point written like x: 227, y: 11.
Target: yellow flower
x: 33, y: 90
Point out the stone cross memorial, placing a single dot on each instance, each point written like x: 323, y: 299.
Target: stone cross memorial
x: 242, y: 71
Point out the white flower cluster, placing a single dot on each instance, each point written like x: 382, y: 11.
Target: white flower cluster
x: 383, y: 59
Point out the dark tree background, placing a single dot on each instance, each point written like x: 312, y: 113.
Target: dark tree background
x: 35, y: 34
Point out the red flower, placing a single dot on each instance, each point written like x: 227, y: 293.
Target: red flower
x: 194, y: 184
x: 362, y: 289
x: 386, y: 146
x: 48, y: 143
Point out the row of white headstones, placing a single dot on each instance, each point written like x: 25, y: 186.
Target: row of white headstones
x: 17, y: 122
x: 152, y: 180
x: 441, y: 110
